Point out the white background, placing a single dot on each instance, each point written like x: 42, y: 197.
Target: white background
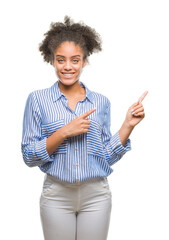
x: 135, y: 58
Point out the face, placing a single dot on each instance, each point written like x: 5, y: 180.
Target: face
x: 68, y: 62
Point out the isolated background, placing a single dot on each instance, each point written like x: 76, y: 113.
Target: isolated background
x: 135, y: 58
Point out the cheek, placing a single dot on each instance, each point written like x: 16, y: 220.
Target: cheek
x: 57, y: 72
x: 57, y: 68
x: 78, y: 68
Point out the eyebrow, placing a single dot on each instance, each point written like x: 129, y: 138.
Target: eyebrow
x: 64, y: 56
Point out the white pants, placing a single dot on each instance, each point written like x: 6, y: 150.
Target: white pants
x: 75, y: 211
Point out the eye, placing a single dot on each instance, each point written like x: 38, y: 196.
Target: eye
x: 60, y: 60
x: 75, y: 60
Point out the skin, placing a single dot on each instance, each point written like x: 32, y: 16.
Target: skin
x: 68, y: 58
x: 135, y: 114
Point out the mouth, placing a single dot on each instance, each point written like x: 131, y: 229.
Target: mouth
x: 68, y: 75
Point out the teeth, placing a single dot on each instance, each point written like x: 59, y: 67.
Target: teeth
x: 68, y: 74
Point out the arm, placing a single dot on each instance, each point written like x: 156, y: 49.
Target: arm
x: 55, y: 139
x: 125, y: 132
x: 114, y: 150
x: 35, y: 149
x: 134, y: 115
x: 77, y: 126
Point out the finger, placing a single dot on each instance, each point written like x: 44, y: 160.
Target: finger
x: 140, y: 114
x: 137, y: 107
x: 86, y: 114
x: 132, y: 106
x: 139, y: 110
x: 142, y: 96
x: 87, y: 125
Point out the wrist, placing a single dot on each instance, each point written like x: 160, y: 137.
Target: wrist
x: 64, y: 133
x: 124, y: 132
x: 127, y: 126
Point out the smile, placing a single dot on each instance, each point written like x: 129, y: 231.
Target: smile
x: 68, y: 75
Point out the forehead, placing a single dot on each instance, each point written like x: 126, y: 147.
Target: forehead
x: 68, y: 49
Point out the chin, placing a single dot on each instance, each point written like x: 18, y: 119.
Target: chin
x: 68, y: 82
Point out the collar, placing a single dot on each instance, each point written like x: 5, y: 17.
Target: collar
x: 56, y: 93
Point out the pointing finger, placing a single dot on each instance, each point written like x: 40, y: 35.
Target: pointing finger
x: 142, y: 96
x: 86, y: 114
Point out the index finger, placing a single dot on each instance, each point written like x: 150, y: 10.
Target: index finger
x: 142, y: 96
x: 88, y: 113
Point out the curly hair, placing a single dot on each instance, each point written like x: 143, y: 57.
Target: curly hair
x: 79, y: 33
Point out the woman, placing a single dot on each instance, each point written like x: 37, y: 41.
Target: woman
x: 66, y: 133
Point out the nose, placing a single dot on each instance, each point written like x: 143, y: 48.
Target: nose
x: 67, y: 66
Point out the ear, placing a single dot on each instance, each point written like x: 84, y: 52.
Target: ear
x: 84, y: 62
x: 52, y: 62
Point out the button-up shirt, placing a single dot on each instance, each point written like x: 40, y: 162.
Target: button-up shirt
x: 77, y: 158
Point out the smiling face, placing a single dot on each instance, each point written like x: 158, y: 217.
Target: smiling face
x: 68, y: 62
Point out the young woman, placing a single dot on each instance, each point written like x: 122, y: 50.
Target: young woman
x: 66, y: 133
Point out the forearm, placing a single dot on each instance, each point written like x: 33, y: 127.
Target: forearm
x: 54, y: 140
x: 125, y: 132
x: 134, y: 115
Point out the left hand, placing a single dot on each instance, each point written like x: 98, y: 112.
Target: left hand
x: 136, y: 112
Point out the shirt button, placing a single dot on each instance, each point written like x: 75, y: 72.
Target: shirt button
x: 77, y: 164
x: 76, y: 149
x: 77, y: 180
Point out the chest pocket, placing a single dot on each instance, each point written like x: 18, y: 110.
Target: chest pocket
x: 94, y: 141
x: 49, y: 128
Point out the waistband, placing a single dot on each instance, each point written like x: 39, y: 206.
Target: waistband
x: 96, y: 179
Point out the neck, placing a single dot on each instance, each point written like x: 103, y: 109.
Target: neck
x: 71, y: 90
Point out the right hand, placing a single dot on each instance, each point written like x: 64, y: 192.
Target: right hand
x: 78, y: 125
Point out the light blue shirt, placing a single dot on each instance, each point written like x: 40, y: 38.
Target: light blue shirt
x: 78, y: 158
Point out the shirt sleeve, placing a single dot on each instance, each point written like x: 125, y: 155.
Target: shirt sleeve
x: 33, y: 146
x: 114, y: 150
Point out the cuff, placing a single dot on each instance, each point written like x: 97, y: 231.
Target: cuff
x: 41, y: 152
x: 119, y: 148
